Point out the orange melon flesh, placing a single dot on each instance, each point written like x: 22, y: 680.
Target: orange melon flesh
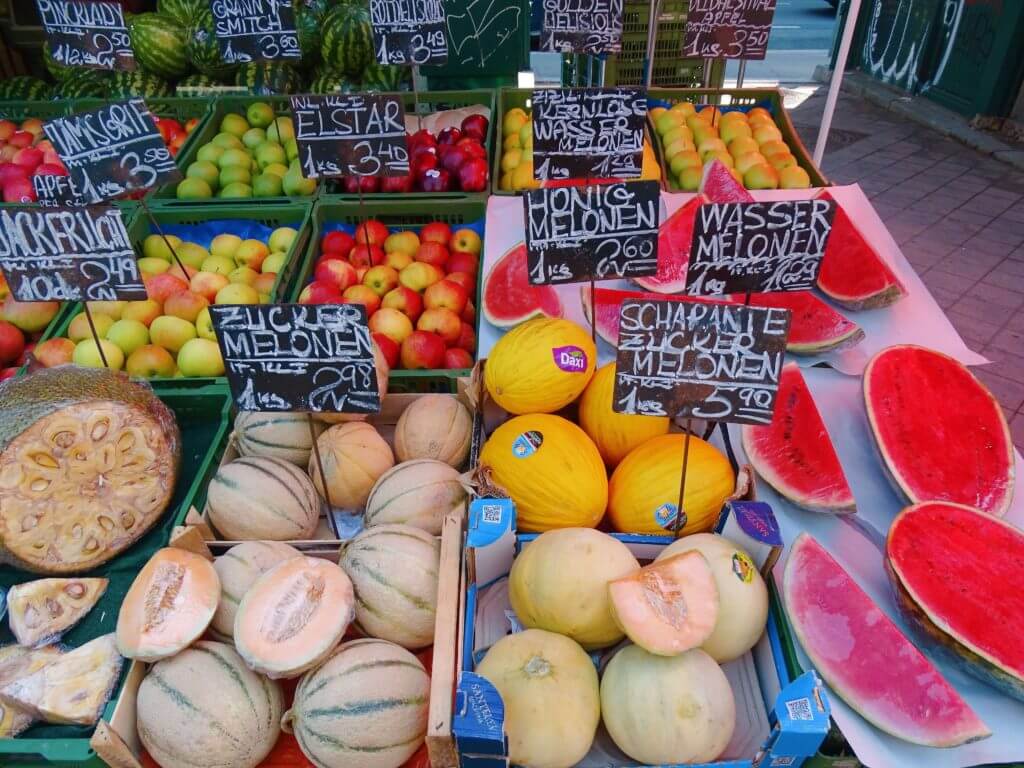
x: 667, y: 607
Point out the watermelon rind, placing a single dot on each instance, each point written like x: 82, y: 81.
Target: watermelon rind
x: 268, y: 78
x: 383, y: 77
x: 327, y: 81
x: 126, y: 84
x: 202, y: 48
x: 673, y: 249
x: 85, y: 83
x: 346, y: 43
x: 25, y: 88
x: 159, y: 45
x: 184, y: 12
x: 497, y: 306
x: 844, y: 332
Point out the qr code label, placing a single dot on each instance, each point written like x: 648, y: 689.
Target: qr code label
x: 782, y: 761
x: 799, y: 709
x: 491, y: 513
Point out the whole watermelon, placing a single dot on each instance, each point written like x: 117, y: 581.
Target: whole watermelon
x: 24, y: 88
x: 182, y: 11
x: 126, y: 84
x: 329, y: 81
x: 383, y: 77
x: 201, y: 48
x: 58, y: 71
x: 347, y: 39
x: 85, y: 83
x: 197, y: 80
x: 268, y: 78
x: 307, y: 25
x: 159, y: 45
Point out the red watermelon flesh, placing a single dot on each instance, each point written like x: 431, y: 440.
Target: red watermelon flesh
x: 794, y: 454
x: 509, y: 299
x: 674, y: 239
x: 608, y: 302
x: 941, y: 434
x: 865, y: 658
x: 853, y: 274
x: 956, y: 573
x: 720, y: 186
x: 815, y: 328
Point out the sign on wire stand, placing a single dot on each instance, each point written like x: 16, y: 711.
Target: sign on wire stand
x: 728, y: 29
x: 758, y: 247
x: 255, y: 30
x: 87, y: 33
x: 591, y: 27
x: 582, y: 133
x: 351, y: 135
x: 298, y: 357
x: 597, y: 232
x: 80, y: 254
x: 409, y: 32
x: 112, y: 150
x: 719, y: 362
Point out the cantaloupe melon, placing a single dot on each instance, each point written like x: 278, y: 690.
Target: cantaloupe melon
x: 354, y: 457
x: 293, y: 616
x: 262, y: 498
x: 434, y: 427
x: 394, y: 570
x: 669, y: 606
x: 275, y: 435
x: 743, y: 596
x: 420, y: 492
x: 205, y: 709
x: 559, y: 582
x: 239, y: 568
x: 614, y: 434
x: 169, y: 605
x: 365, y: 707
x: 549, y: 688
x: 667, y: 709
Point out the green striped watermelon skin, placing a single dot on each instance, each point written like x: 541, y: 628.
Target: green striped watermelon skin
x: 58, y: 71
x: 347, y: 39
x: 182, y: 11
x: 383, y: 77
x: 85, y: 83
x: 268, y: 78
x: 327, y: 81
x: 197, y: 80
x: 202, y: 50
x: 159, y: 45
x: 307, y: 25
x: 25, y: 88
x: 126, y: 84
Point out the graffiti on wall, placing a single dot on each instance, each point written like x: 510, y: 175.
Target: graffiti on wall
x: 898, y: 33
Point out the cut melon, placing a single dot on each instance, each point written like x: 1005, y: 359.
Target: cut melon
x: 169, y: 605
x: 434, y: 427
x: 293, y: 616
x: 870, y: 664
x: 17, y: 662
x: 674, y: 239
x: 43, y: 610
x: 794, y: 453
x: 277, y: 435
x: 719, y: 185
x: 508, y: 297
x: 262, y: 498
x: 420, y: 492
x: 667, y: 607
x: 238, y: 569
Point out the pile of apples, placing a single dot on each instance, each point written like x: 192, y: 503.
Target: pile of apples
x: 20, y: 324
x: 25, y: 152
x: 174, y: 133
x: 416, y: 287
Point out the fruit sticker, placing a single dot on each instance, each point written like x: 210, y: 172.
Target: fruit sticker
x: 743, y: 567
x: 570, y: 359
x: 527, y: 444
x: 665, y: 516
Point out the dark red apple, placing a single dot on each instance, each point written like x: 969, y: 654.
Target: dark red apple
x: 475, y: 127
x: 354, y: 184
x: 454, y: 159
x: 396, y: 183
x: 449, y: 136
x: 12, y: 343
x: 337, y: 242
x: 422, y: 138
x: 434, y: 180
x: 473, y: 175
x: 19, y: 191
x: 12, y: 171
x: 473, y: 148
x: 424, y: 162
x: 388, y: 348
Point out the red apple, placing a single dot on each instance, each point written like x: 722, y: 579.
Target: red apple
x: 405, y: 300
x: 422, y: 350
x: 443, y: 322
x: 468, y: 282
x: 49, y: 169
x: 467, y: 338
x: 381, y: 279
x: 422, y: 162
x: 461, y: 261
x: 321, y: 293
x: 366, y: 256
x: 473, y: 175
x: 371, y: 232
x: 396, y: 183
x: 19, y: 191
x: 475, y: 127
x: 207, y: 284
x: 436, y: 232
x: 29, y: 157
x: 356, y: 184
x: 473, y: 149
x: 335, y: 272
x: 469, y: 313
x: 422, y: 138
x: 21, y: 139
x: 8, y: 373
x: 432, y: 253
x: 186, y: 305
x: 456, y: 359
x: 337, y: 242
x: 449, y: 135
x: 11, y: 172
x: 12, y: 343
x: 362, y: 294
x: 391, y: 323
x: 445, y: 295
x: 161, y: 287
x: 388, y: 348
x: 434, y: 180
x: 54, y: 352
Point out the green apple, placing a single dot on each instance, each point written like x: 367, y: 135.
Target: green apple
x: 225, y: 245
x: 79, y: 328
x: 237, y: 293
x: 209, y: 153
x: 191, y: 255
x: 291, y: 148
x: 236, y: 190
x: 254, y: 137
x: 87, y: 354
x: 269, y: 153
x: 219, y: 265
x: 193, y: 189
x: 200, y: 357
x: 234, y: 158
x: 281, y: 239
x: 149, y: 362
x: 154, y: 247
x: 281, y: 130
x: 259, y: 114
x: 203, y: 169
x: 128, y: 335
x: 112, y: 309
x: 268, y: 185
x: 235, y: 175
x: 297, y: 185
x: 204, y: 325
x: 278, y: 169
x: 234, y: 124
x: 243, y: 275
x: 274, y: 262
x: 228, y: 141
x: 171, y: 333
x: 150, y: 266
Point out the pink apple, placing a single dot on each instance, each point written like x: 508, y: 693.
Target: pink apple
x: 48, y: 169
x: 388, y: 348
x: 463, y: 261
x: 12, y: 171
x: 445, y: 294
x: 21, y: 139
x: 19, y: 191
x: 321, y: 293
x: 163, y: 286
x: 443, y: 322
x: 436, y: 232
x: 467, y: 338
x: 366, y: 256
x: 337, y: 242
x: 405, y: 300
x: 468, y: 282
x: 29, y: 157
x: 457, y: 359
x: 186, y: 305
x: 422, y: 350
x: 469, y: 313
x: 54, y: 352
x: 362, y: 294
x: 206, y: 284
x: 336, y: 272
x: 381, y: 279
x: 391, y: 323
x: 371, y: 232
x: 432, y: 253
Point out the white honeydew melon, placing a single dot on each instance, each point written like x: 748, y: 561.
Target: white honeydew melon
x: 239, y: 568
x: 420, y: 493
x: 275, y: 435
x: 354, y: 457
x: 434, y: 427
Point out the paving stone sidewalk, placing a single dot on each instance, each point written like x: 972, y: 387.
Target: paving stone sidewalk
x: 957, y: 214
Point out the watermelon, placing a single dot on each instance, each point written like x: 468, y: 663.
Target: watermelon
x: 197, y: 80
x: 268, y: 78
x: 307, y: 24
x: 24, y: 88
x: 184, y: 12
x: 955, y: 571
x: 865, y: 658
x: 509, y: 299
x: 381, y: 77
x: 202, y: 50
x: 126, y: 84
x: 853, y: 274
x: 941, y: 434
x: 347, y: 39
x: 794, y: 453
x: 159, y: 45
x: 674, y: 238
x: 85, y: 83
x: 59, y: 72
x: 720, y: 186
x: 329, y: 81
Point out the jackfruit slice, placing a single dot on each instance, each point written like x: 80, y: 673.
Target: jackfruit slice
x: 17, y: 662
x: 43, y: 610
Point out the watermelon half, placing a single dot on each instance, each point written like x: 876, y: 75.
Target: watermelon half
x: 941, y: 434
x: 956, y: 572
x: 865, y: 658
x: 674, y: 239
x: 720, y: 186
x: 509, y: 299
x: 794, y: 453
x: 609, y: 300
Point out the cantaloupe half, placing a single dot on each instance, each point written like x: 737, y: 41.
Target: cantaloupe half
x: 669, y: 606
x: 169, y: 605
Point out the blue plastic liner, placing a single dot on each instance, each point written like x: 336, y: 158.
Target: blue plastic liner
x: 203, y: 234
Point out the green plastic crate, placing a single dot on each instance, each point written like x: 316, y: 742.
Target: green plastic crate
x: 203, y: 417
x: 407, y: 215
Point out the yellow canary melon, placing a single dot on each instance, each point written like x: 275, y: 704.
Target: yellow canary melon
x: 614, y: 434
x: 549, y: 688
x: 354, y: 457
x: 743, y: 610
x: 560, y: 583
x: 434, y: 427
x: 540, y: 366
x: 550, y: 469
x: 643, y: 492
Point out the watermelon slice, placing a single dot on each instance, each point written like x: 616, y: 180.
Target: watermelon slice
x: 956, y: 573
x: 853, y: 274
x: 794, y: 454
x: 816, y: 327
x: 720, y: 186
x: 674, y: 238
x: 865, y: 658
x: 509, y: 299
x: 941, y: 434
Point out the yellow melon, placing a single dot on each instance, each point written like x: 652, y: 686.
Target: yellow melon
x: 644, y: 488
x: 614, y: 434
x: 354, y: 457
x: 550, y: 469
x: 434, y: 427
x: 540, y: 366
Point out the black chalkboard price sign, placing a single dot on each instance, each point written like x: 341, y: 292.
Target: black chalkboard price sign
x: 65, y: 254
x: 298, y: 357
x: 351, y: 135
x: 758, y: 247
x: 255, y: 30
x: 112, y: 150
x: 598, y: 232
x: 581, y: 133
x: 409, y: 32
x: 582, y: 26
x: 87, y: 33
x: 56, y: 191
x: 712, y: 361
x: 727, y: 29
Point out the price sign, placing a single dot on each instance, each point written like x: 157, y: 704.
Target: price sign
x: 409, y: 32
x: 758, y: 247
x: 298, y: 357
x: 351, y: 135
x: 728, y: 29
x: 581, y: 133
x: 712, y: 361
x: 56, y: 191
x: 81, y: 254
x: 599, y: 232
x: 582, y: 26
x: 112, y: 150
x: 255, y: 30
x: 87, y: 33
